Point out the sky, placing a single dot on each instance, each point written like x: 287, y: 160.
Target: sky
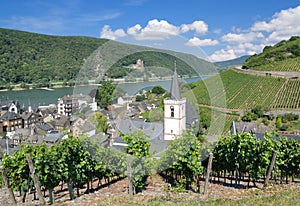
x: 216, y: 30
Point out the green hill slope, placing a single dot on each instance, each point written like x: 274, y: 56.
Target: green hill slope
x: 247, y: 91
x: 233, y: 62
x: 32, y: 58
x: 283, y: 56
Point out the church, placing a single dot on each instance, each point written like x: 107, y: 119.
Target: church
x: 179, y: 116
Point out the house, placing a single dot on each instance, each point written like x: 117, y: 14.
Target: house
x: 9, y: 106
x: 27, y: 135
x: 61, y: 122
x: 53, y: 137
x: 44, y: 128
x: 31, y: 119
x: 247, y: 127
x: 69, y: 104
x: 124, y: 100
x: 85, y: 127
x: 10, y: 122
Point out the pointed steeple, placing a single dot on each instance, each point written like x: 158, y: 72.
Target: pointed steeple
x: 175, y: 89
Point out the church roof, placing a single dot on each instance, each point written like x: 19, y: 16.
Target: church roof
x: 175, y: 89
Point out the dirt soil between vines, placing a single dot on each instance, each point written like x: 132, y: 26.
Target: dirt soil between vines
x: 116, y: 193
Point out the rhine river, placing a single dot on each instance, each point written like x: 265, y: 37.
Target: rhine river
x: 39, y: 97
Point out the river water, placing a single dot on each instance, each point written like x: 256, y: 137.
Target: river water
x: 38, y: 97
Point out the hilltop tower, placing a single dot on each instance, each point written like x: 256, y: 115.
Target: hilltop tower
x: 174, y: 111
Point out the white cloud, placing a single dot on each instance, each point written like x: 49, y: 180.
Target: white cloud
x: 158, y: 30
x: 195, y: 41
x: 200, y: 27
x: 222, y: 55
x: 155, y: 30
x: 108, y: 33
x: 242, y: 37
x: 283, y: 25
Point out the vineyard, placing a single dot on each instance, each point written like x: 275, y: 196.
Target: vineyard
x: 288, y: 96
x: 184, y: 165
x: 247, y: 91
x: 287, y: 65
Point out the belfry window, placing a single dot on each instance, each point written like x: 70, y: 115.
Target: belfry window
x: 172, y: 111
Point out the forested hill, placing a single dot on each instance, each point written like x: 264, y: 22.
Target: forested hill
x: 34, y: 58
x: 283, y: 56
x: 233, y: 62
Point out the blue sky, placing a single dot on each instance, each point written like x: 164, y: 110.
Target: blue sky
x: 221, y: 29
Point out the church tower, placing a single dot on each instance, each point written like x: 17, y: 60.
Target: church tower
x: 174, y: 111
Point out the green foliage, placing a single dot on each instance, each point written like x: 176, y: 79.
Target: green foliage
x: 39, y: 59
x: 104, y: 95
x: 283, y: 56
x: 250, y: 116
x: 35, y: 58
x: 258, y: 111
x: 158, y: 90
x: 278, y: 122
x: 244, y: 91
x: 140, y: 98
x: 100, y: 121
x: 139, y: 147
x: 248, y: 155
x: 137, y: 144
x: 183, y: 157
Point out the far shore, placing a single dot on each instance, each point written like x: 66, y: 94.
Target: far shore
x: 57, y: 85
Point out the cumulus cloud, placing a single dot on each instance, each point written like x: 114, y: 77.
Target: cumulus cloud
x: 108, y: 33
x: 242, y: 37
x: 200, y: 27
x: 222, y: 55
x: 195, y: 41
x: 283, y: 25
x: 156, y: 30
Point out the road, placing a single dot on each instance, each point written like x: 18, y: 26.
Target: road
x: 264, y: 73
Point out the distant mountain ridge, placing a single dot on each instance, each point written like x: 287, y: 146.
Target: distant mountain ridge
x: 233, y: 62
x: 283, y: 56
x: 33, y: 58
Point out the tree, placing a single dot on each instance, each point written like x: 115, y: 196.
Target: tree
x: 104, y: 96
x: 100, y: 121
x: 158, y: 90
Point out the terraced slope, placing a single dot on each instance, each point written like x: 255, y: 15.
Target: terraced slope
x: 244, y: 91
x: 283, y: 56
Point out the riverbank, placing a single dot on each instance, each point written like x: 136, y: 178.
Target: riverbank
x: 56, y: 85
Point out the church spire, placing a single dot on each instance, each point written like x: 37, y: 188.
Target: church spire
x: 175, y: 89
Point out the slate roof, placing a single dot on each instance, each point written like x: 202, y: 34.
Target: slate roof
x: 53, y: 137
x: 45, y: 127
x: 154, y: 130
x: 7, y: 103
x: 86, y: 126
x: 191, y: 116
x: 175, y: 89
x: 10, y: 116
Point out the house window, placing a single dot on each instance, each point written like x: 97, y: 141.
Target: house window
x: 172, y: 111
x: 171, y: 131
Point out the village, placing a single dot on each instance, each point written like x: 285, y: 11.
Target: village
x: 74, y: 113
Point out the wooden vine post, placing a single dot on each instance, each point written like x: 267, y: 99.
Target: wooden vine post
x: 35, y: 180
x: 209, y: 167
x: 270, y: 170
x: 129, y: 174
x: 7, y: 185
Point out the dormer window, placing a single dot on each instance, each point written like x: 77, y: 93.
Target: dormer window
x: 172, y: 111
